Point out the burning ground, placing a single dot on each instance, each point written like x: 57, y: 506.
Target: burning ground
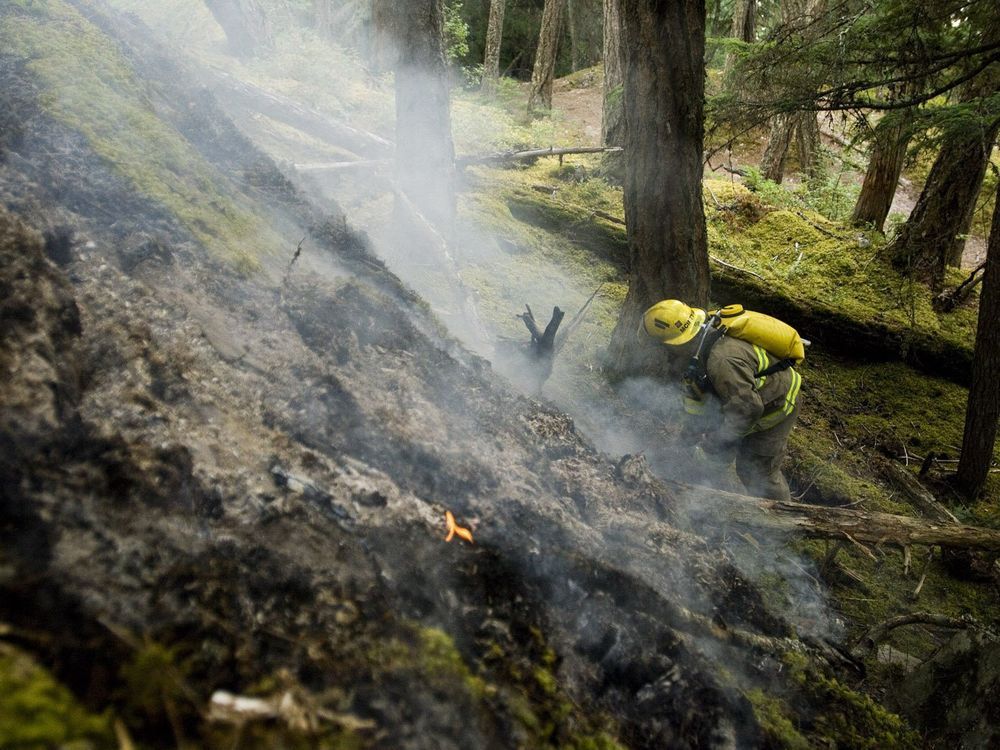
x: 223, y: 472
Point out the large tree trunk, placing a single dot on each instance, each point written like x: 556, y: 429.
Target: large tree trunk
x: 494, y: 38
x: 664, y: 114
x: 804, y: 130
x: 411, y: 39
x: 544, y: 71
x: 245, y: 24
x: 983, y: 409
x: 772, y: 163
x: 745, y: 21
x: 927, y: 241
x: 574, y: 44
x: 807, y: 142
x: 884, y: 167
x: 613, y: 114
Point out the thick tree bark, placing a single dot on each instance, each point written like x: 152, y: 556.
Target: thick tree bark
x: 807, y: 142
x: 613, y: 115
x: 772, y: 163
x: 664, y: 114
x: 926, y: 242
x: 411, y: 39
x: 983, y: 409
x: 823, y: 522
x: 542, y: 75
x: 800, y: 127
x: 574, y: 45
x: 247, y: 29
x: 494, y: 39
x: 745, y: 21
x: 879, y: 187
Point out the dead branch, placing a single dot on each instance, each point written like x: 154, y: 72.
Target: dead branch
x: 535, y: 153
x: 732, y: 170
x: 949, y: 299
x: 918, y: 496
x: 731, y: 267
x: 875, y: 635
x: 577, y: 319
x: 816, y: 226
x: 837, y: 523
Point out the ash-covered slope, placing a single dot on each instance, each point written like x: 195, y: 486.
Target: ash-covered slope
x: 223, y: 473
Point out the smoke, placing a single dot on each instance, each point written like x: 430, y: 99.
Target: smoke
x: 466, y: 273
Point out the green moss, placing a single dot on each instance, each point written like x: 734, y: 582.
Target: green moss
x: 848, y: 719
x: 36, y: 711
x: 773, y: 717
x: 89, y: 86
x: 153, y: 679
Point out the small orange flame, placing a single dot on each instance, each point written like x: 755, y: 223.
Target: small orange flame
x: 455, y: 529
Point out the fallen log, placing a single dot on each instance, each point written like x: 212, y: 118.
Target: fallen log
x: 915, y: 493
x: 535, y: 153
x: 874, y: 636
x: 834, y: 523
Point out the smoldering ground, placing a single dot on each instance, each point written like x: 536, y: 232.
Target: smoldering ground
x: 347, y: 362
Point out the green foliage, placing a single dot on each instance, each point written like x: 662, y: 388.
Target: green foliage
x: 847, y: 719
x: 154, y: 677
x: 38, y: 712
x: 456, y: 32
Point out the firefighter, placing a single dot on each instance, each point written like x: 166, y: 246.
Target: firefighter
x: 757, y: 391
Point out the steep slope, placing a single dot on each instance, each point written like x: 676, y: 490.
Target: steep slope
x: 222, y: 471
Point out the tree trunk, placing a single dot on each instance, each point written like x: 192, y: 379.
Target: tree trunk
x: 613, y: 115
x: 745, y: 21
x: 772, y: 163
x: 574, y: 45
x: 494, y: 38
x: 884, y: 167
x: 798, y: 126
x: 804, y: 130
x: 807, y: 142
x: 926, y: 242
x: 664, y: 114
x: 411, y: 39
x: 983, y: 409
x: 544, y: 71
x: 245, y: 24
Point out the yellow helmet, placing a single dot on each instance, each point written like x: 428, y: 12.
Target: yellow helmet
x: 673, y: 322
